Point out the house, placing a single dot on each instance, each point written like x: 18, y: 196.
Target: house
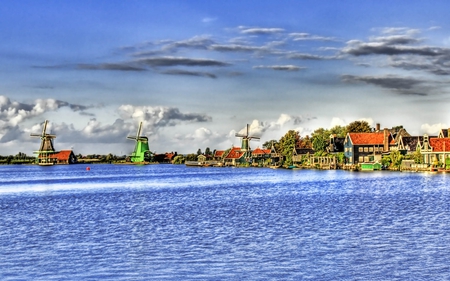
x: 260, y: 156
x: 367, y: 147
x: 336, y: 144
x: 234, y: 156
x: 60, y: 157
x: 299, y: 154
x: 435, y: 149
x: 407, y: 145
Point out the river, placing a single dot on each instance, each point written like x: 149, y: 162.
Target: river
x: 171, y: 222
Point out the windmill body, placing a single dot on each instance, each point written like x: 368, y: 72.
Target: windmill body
x: 141, y: 151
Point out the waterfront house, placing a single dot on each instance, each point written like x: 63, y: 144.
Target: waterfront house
x: 407, y: 145
x: 218, y: 155
x: 234, y: 157
x: 60, y: 157
x: 367, y: 147
x: 435, y: 150
x: 260, y: 156
x: 299, y: 155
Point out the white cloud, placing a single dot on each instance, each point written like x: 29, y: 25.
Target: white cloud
x: 432, y: 129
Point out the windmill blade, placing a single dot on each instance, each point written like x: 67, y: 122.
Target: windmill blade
x: 44, y: 129
x: 139, y: 130
x: 35, y: 135
x: 240, y: 135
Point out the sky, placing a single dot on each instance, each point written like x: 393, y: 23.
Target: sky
x: 196, y: 72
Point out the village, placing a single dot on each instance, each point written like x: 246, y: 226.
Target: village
x: 355, y: 147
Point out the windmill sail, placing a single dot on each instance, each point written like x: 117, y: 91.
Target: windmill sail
x: 245, y: 139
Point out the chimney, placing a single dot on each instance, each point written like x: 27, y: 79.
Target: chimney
x: 386, y: 139
x: 377, y: 127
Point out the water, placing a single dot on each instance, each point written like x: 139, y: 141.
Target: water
x: 168, y: 222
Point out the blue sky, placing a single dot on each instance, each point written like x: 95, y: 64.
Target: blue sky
x: 196, y: 72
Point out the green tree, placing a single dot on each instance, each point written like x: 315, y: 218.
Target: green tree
x: 287, y: 144
x: 191, y: 157
x: 320, y: 139
x: 179, y: 159
x: 268, y: 144
x: 199, y: 151
x: 339, y: 131
x: 207, y: 151
x: 359, y: 127
x: 417, y: 157
x: 396, y: 158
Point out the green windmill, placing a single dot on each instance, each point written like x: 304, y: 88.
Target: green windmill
x: 141, y: 151
x: 245, y: 147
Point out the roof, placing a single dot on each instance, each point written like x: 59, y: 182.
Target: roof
x: 440, y: 144
x: 62, y: 155
x: 261, y: 151
x: 444, y: 133
x: 411, y: 141
x: 303, y: 151
x: 369, y: 138
x: 219, y: 153
x: 235, y: 153
x: 169, y: 156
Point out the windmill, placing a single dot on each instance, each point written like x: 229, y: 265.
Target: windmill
x: 245, y: 147
x: 46, y: 147
x: 141, y: 151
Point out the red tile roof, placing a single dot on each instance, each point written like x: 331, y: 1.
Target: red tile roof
x: 440, y: 144
x: 368, y: 138
x: 235, y: 153
x: 62, y: 155
x: 219, y: 153
x: 169, y: 156
x: 261, y: 151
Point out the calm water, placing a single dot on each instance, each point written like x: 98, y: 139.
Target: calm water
x: 167, y: 222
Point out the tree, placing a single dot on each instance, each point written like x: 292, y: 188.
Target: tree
x: 179, y: 159
x: 191, y: 157
x: 417, y: 157
x: 287, y: 144
x: 207, y: 151
x: 320, y: 139
x: 305, y: 142
x: 199, y: 151
x: 339, y: 131
x: 396, y: 158
x: 268, y: 144
x: 359, y: 127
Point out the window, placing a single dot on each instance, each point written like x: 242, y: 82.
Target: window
x: 360, y: 159
x: 366, y: 149
x: 370, y: 149
x: 360, y: 149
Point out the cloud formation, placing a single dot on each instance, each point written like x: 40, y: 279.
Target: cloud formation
x: 400, y: 85
x: 279, y: 67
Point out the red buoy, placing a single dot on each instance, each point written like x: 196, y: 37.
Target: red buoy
x: 88, y: 168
